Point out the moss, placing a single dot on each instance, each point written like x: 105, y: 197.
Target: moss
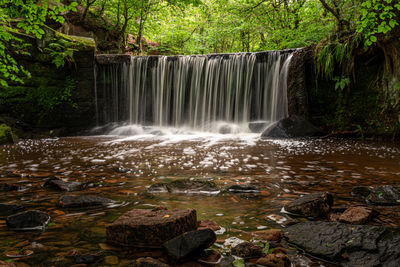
x: 6, y: 135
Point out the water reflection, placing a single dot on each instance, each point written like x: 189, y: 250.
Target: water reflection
x: 122, y: 169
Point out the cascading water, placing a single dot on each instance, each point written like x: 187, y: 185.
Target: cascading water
x: 196, y: 92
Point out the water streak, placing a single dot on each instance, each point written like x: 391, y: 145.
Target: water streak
x: 198, y: 92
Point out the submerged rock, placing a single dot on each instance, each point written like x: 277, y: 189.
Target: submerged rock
x: 8, y: 209
x: 243, y: 189
x: 149, y: 262
x: 208, y: 224
x: 88, y: 258
x: 258, y: 126
x: 9, y: 187
x: 63, y: 185
x: 311, y: 205
x: 247, y: 250
x: 185, y: 186
x: 357, y: 215
x: 281, y: 220
x: 294, y: 126
x: 211, y: 257
x: 378, y: 195
x: 275, y: 260
x: 190, y: 244
x: 147, y: 228
x: 28, y: 220
x: 348, y: 245
x: 158, y: 188
x: 71, y: 201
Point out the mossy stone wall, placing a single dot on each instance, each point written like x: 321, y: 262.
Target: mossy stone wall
x: 53, y: 97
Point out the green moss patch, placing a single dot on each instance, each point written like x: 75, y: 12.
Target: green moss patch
x: 6, y: 135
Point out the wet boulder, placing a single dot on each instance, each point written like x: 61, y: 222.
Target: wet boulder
x: 149, y: 262
x: 294, y: 126
x: 185, y: 186
x: 258, y: 126
x: 227, y: 128
x: 378, y: 195
x: 268, y: 235
x: 83, y: 201
x: 357, y: 215
x: 311, y: 205
x: 347, y: 245
x: 28, y: 220
x: 147, y: 228
x: 8, y: 209
x: 247, y: 250
x: 62, y: 185
x: 190, y: 245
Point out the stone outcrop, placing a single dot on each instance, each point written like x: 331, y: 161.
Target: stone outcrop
x: 348, y: 245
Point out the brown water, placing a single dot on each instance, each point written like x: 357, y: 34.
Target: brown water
x: 121, y: 169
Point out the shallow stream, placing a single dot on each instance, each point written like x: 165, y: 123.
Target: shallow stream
x: 122, y: 168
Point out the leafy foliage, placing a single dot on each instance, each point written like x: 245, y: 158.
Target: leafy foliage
x: 378, y: 17
x: 61, y: 50
x: 23, y: 17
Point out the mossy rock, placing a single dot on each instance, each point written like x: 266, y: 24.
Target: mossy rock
x: 6, y: 135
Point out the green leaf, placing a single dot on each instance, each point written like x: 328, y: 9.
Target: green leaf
x: 373, y: 38
x: 238, y: 263
x: 266, y: 248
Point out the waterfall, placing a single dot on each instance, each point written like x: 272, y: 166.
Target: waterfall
x: 194, y: 91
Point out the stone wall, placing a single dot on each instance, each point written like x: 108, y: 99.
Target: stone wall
x: 52, y: 98
x: 296, y: 84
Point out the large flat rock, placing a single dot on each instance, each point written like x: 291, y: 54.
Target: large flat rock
x: 147, y: 228
x: 347, y: 245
